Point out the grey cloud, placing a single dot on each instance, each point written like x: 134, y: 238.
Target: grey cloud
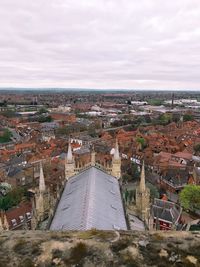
x: 100, y: 43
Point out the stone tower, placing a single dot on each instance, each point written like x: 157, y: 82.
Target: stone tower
x: 69, y: 163
x: 143, y: 199
x: 42, y: 199
x: 116, y: 162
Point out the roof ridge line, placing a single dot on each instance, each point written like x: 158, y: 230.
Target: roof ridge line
x: 90, y: 206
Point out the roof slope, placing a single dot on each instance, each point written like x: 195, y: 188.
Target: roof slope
x: 90, y: 199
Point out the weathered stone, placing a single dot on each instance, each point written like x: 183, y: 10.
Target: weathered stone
x: 163, y: 253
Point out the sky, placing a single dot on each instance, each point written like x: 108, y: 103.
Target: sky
x: 147, y: 44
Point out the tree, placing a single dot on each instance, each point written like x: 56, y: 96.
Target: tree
x: 43, y: 118
x: 188, y: 117
x: 8, y: 113
x: 141, y: 141
x: 6, y: 136
x: 42, y: 110
x: 165, y: 118
x: 13, y: 198
x: 126, y: 178
x: 155, y: 102
x: 130, y: 172
x: 197, y: 148
x: 154, y: 193
x: 190, y: 197
x: 92, y: 130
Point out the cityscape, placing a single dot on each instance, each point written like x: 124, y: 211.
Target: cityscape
x: 117, y: 161
x: 99, y: 133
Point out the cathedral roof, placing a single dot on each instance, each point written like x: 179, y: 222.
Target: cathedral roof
x: 91, y: 199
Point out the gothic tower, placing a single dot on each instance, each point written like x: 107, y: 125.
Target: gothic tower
x: 116, y: 162
x: 42, y: 199
x: 143, y: 198
x: 69, y: 163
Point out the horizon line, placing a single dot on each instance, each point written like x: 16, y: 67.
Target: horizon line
x: 97, y: 89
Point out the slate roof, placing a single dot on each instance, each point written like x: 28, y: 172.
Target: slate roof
x: 82, y: 150
x: 17, y: 160
x: 177, y: 177
x: 12, y: 171
x: 91, y: 199
x: 166, y: 210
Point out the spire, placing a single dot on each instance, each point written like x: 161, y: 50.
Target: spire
x: 116, y: 154
x: 69, y: 163
x: 142, y: 179
x: 41, y: 181
x: 93, y: 157
x: 69, y: 152
x: 116, y: 162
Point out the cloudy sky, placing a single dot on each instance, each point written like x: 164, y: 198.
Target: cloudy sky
x: 100, y: 43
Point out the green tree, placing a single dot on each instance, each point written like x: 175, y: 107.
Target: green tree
x: 44, y: 118
x: 134, y: 171
x: 13, y: 198
x: 141, y: 141
x: 197, y: 148
x: 154, y: 193
x: 42, y: 110
x: 165, y: 118
x: 126, y: 195
x: 6, y: 136
x: 190, y: 197
x: 188, y: 117
x: 126, y: 178
x: 155, y: 102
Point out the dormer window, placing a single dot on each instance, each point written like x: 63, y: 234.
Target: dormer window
x: 14, y: 222
x: 28, y: 214
x: 21, y: 218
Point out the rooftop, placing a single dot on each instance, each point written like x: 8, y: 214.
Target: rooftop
x: 91, y: 199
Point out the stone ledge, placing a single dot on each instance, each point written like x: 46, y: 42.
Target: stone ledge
x: 99, y: 248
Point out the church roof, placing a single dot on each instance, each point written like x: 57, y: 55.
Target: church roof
x: 91, y: 199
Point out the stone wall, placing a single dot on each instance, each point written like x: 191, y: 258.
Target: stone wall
x: 99, y: 248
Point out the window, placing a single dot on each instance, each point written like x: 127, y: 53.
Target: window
x: 14, y: 222
x: 28, y: 214
x: 21, y: 218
